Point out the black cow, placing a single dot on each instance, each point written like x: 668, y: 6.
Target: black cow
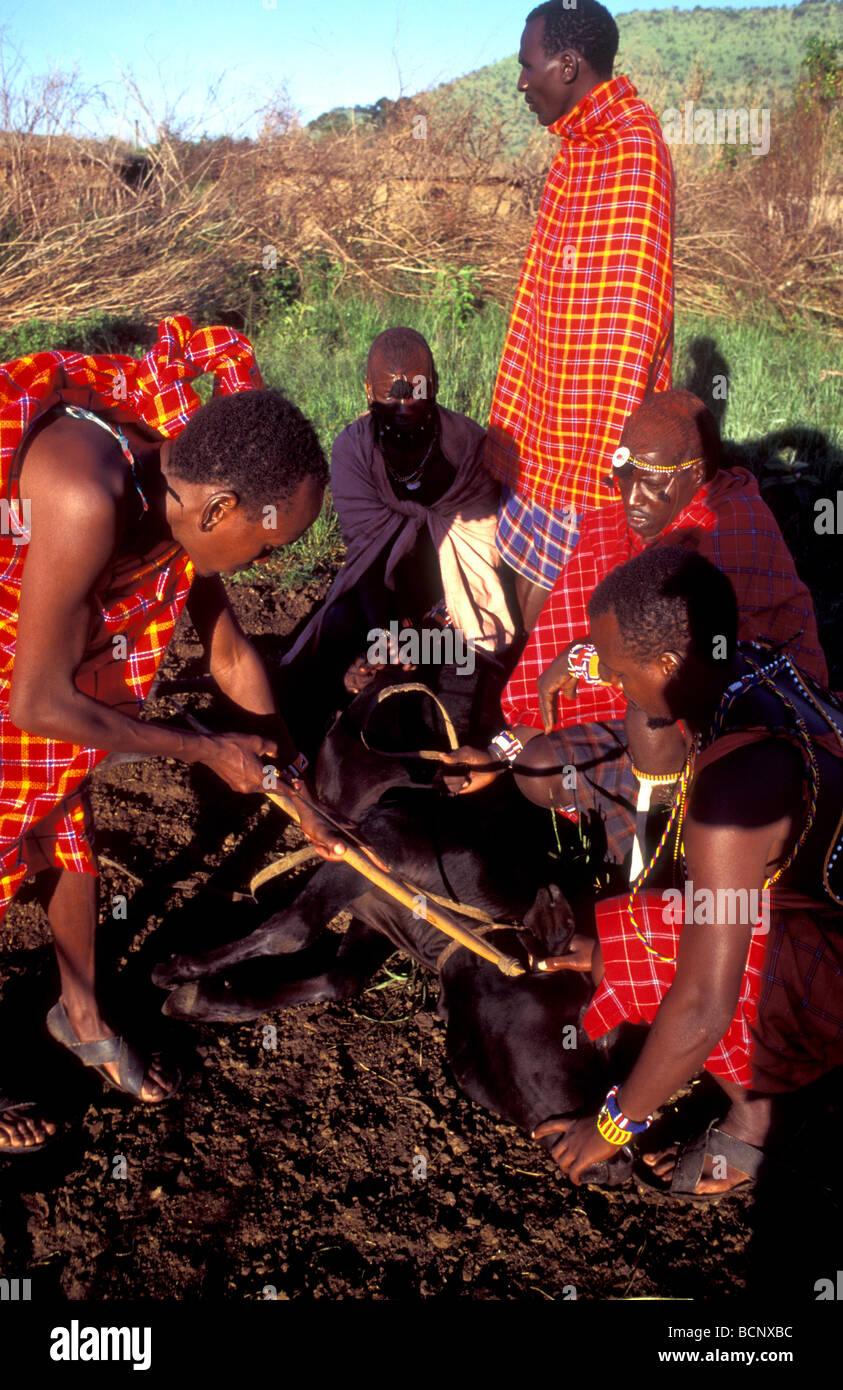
x: 515, y: 1044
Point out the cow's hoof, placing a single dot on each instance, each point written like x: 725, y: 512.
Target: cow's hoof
x: 610, y: 1172
x: 212, y: 1002
x: 182, y: 1002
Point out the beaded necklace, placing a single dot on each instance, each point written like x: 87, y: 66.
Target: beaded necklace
x: 759, y: 675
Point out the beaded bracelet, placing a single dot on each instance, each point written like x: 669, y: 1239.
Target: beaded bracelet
x: 506, y: 747
x: 583, y: 662
x: 614, y: 1126
x: 297, y: 767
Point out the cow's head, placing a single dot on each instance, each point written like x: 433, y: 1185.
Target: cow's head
x: 550, y: 923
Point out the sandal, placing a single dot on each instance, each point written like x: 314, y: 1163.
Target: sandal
x: 131, y: 1067
x: 13, y: 1108
x: 746, y: 1158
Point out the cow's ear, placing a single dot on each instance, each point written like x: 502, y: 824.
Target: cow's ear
x: 550, y: 920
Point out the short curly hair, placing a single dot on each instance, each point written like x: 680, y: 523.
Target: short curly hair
x: 669, y: 598
x: 255, y: 442
x: 587, y: 28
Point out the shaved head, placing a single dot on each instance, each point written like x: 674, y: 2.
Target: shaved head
x: 669, y: 428
x: 397, y: 356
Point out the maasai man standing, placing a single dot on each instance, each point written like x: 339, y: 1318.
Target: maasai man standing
x: 592, y: 326
x: 738, y: 967
x: 417, y: 511
x: 120, y: 497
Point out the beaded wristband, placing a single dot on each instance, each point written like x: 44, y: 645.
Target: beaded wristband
x: 618, y: 1118
x: 439, y: 615
x: 583, y: 662
x: 610, y: 1131
x: 505, y: 747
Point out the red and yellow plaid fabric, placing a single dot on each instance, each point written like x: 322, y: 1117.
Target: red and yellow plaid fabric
x: 592, y: 325
x: 42, y: 812
x: 729, y: 523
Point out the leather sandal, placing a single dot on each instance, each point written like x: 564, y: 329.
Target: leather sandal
x: 713, y: 1142
x: 131, y: 1066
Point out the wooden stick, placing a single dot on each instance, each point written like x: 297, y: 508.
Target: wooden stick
x: 404, y: 893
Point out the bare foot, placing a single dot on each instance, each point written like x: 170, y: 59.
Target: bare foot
x: 21, y: 1126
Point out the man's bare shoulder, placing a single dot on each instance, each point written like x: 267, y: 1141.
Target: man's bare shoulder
x: 755, y: 784
x: 76, y: 455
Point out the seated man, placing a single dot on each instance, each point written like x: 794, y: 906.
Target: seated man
x: 418, y: 516
x: 117, y: 505
x: 672, y: 491
x: 738, y: 966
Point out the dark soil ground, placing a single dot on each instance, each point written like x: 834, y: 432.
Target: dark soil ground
x: 326, y: 1151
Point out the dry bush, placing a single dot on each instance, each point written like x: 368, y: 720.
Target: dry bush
x: 768, y: 229
x: 90, y: 226
x: 395, y: 204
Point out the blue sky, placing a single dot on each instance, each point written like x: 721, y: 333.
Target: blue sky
x: 328, y: 52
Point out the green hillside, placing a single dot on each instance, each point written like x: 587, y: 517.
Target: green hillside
x: 747, y: 57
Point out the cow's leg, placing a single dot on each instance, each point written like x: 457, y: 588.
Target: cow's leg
x: 331, y: 888
x: 224, y: 999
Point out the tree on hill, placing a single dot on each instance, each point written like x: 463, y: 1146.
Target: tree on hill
x: 821, y: 81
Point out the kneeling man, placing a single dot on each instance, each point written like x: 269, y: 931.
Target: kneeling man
x: 418, y: 515
x: 737, y: 967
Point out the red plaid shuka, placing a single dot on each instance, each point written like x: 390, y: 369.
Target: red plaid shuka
x: 636, y: 982
x: 787, y: 1029
x: 592, y: 325
x: 729, y: 523
x: 42, y: 811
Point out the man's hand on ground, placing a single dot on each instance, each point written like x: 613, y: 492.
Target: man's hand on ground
x: 581, y: 1145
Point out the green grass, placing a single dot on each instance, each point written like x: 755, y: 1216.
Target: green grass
x: 778, y: 413
x: 105, y: 333
x: 774, y: 384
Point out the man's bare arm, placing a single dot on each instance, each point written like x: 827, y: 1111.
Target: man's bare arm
x: 233, y: 661
x: 75, y: 521
x: 740, y: 814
